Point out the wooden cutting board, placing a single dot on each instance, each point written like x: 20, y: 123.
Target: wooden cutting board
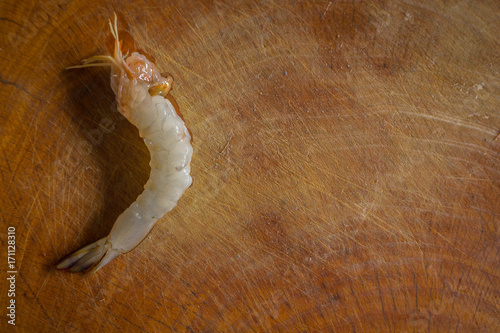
x: 346, y: 172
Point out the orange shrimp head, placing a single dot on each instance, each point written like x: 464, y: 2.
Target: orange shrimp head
x: 141, y: 69
x: 135, y: 67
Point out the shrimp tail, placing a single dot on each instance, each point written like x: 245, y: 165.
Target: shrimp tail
x: 97, y: 254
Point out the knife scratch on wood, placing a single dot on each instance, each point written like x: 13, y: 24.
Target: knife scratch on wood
x: 223, y: 150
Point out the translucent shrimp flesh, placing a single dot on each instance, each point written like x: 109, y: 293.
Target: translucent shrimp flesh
x: 140, y: 92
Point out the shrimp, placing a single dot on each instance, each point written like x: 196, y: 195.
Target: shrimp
x: 140, y: 92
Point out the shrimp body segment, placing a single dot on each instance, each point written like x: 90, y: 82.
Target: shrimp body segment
x: 140, y: 91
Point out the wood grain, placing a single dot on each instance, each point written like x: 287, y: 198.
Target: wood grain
x: 346, y: 176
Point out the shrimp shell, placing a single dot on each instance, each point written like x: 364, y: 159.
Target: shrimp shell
x: 140, y: 91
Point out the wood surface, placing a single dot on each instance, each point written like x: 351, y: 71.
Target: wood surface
x: 346, y: 172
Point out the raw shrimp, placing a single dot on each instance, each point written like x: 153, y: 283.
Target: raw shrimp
x: 140, y: 91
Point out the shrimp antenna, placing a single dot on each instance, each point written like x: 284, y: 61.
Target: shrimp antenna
x: 105, y: 60
x: 114, y: 31
x: 93, y: 62
x: 114, y: 28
